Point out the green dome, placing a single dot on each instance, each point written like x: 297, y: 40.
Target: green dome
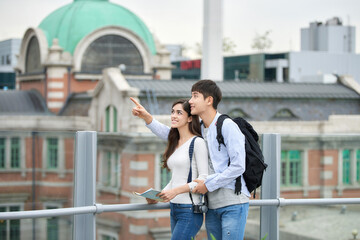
x: 74, y: 21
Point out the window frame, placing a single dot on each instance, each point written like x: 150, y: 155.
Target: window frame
x: 293, y: 176
x: 50, y: 147
x: 8, y: 223
x: 358, y: 165
x: 2, y: 153
x: 111, y: 119
x: 15, y: 153
x: 51, y: 222
x: 346, y: 167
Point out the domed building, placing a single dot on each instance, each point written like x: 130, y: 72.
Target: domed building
x: 67, y: 52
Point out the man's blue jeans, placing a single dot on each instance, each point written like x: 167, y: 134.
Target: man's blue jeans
x: 185, y: 224
x: 227, y: 223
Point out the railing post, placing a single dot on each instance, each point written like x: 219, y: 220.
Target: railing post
x: 84, y: 185
x: 270, y: 189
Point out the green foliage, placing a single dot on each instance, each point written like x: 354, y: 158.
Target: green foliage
x: 264, y: 237
x: 262, y: 42
x: 228, y: 45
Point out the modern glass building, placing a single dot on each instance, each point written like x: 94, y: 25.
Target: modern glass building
x: 8, y: 61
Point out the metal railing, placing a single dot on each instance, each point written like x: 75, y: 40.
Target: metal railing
x: 100, y: 208
x: 85, y: 208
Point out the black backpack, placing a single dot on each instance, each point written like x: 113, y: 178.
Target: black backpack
x: 255, y: 165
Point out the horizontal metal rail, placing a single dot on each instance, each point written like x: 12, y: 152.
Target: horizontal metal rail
x: 99, y: 208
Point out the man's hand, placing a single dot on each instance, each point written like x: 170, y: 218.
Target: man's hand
x: 200, y: 188
x: 140, y: 111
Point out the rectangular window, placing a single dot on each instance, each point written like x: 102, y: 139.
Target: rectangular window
x: 10, y: 229
x: 107, y: 119
x: 52, y: 153
x: 106, y: 169
x: 8, y: 60
x: 15, y: 153
x: 3, y: 224
x: 106, y: 237
x: 115, y: 119
x: 117, y: 169
x: 295, y: 167
x: 291, y: 168
x: 358, y: 166
x: 2, y: 152
x: 52, y: 227
x: 15, y: 225
x: 108, y: 161
x: 165, y: 175
x: 283, y: 167
x: 346, y: 166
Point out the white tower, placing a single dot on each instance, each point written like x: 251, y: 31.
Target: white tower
x: 212, y: 66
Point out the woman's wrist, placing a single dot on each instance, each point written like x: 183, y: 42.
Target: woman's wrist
x: 148, y: 119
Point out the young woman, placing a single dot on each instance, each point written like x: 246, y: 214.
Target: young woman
x: 184, y: 127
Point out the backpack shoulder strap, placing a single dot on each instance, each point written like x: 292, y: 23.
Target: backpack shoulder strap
x: 191, y: 151
x: 219, y: 123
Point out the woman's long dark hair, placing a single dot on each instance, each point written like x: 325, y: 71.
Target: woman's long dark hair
x: 174, y: 136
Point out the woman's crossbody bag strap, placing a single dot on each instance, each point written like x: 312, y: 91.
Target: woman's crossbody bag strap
x: 191, y: 151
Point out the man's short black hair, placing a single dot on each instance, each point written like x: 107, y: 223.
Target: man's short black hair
x: 208, y: 88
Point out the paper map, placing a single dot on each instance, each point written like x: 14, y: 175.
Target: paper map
x: 150, y: 193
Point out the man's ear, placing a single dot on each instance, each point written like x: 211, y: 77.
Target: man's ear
x: 190, y: 119
x: 209, y: 100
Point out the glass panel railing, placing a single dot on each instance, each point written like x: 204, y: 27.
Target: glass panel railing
x: 318, y: 222
x: 36, y: 173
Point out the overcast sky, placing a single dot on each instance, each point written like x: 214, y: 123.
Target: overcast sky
x: 180, y: 21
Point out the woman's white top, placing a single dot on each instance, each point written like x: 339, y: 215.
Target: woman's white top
x: 179, y: 164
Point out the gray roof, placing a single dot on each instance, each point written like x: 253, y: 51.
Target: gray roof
x: 233, y: 89
x: 77, y: 104
x: 15, y: 102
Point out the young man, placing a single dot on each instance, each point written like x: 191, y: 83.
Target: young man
x: 228, y: 211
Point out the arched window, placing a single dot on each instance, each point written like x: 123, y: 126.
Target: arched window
x: 111, y: 51
x: 32, y: 59
x: 238, y: 113
x: 285, y: 114
x: 111, y: 119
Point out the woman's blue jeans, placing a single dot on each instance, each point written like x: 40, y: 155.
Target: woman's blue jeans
x: 184, y: 223
x: 227, y: 223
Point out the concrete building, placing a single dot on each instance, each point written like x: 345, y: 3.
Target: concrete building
x: 176, y: 52
x: 332, y: 36
x: 8, y: 61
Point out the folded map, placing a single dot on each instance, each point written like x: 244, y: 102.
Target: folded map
x: 150, y: 193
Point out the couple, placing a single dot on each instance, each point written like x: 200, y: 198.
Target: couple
x: 227, y: 214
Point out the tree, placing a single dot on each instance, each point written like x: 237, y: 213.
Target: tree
x: 262, y: 42
x: 228, y: 46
